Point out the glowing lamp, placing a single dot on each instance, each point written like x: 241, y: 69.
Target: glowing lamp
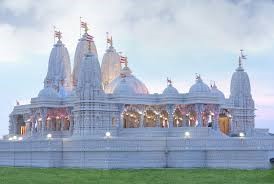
x: 108, y: 134
x: 241, y: 134
x: 49, y: 136
x: 20, y: 138
x: 14, y: 137
x: 187, y: 134
x: 10, y: 139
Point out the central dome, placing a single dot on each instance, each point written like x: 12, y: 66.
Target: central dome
x: 199, y: 86
x: 126, y: 84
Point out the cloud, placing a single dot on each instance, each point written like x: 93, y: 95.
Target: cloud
x: 210, y: 25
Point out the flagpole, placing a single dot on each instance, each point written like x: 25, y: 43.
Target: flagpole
x: 54, y: 34
x: 80, y: 26
x: 107, y: 40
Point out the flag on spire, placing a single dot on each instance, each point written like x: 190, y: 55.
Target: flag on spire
x: 89, y: 38
x: 58, y: 34
x: 123, y: 59
x: 83, y: 24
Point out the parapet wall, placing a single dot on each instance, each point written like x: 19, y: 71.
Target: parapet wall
x: 142, y: 152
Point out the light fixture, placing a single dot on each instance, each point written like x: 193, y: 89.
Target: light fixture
x: 14, y: 137
x: 108, y: 134
x: 10, y: 139
x: 49, y: 136
x: 241, y: 134
x: 20, y: 138
x: 187, y: 134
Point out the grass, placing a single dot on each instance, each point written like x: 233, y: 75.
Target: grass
x: 146, y: 176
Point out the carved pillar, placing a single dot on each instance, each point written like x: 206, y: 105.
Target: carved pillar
x: 216, y: 125
x: 71, y: 122
x: 62, y: 121
x: 142, y: 111
x: 158, y: 123
x: 44, y: 119
x: 120, y: 118
x: 12, y: 124
x: 142, y: 120
x: 33, y: 122
x: 199, y: 109
x: 170, y: 109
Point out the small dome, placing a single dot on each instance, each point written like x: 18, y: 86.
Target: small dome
x: 217, y: 92
x: 81, y: 50
x: 62, y: 92
x: 199, y: 87
x: 111, y: 66
x: 48, y: 92
x: 170, y: 90
x: 126, y: 82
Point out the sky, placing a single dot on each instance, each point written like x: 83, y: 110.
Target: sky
x: 161, y: 38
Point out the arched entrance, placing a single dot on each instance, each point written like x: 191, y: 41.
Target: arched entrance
x: 224, y: 122
x: 164, y: 119
x: 177, y: 118
x: 150, y: 119
x: 131, y: 119
x: 21, y: 125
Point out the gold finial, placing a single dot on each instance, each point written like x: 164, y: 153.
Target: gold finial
x: 198, y: 76
x: 240, y: 61
x: 242, y: 56
x: 169, y: 81
x: 109, y: 39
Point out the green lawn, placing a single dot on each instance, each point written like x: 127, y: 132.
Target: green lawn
x: 148, y: 176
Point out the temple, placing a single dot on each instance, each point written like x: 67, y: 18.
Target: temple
x: 103, y: 116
